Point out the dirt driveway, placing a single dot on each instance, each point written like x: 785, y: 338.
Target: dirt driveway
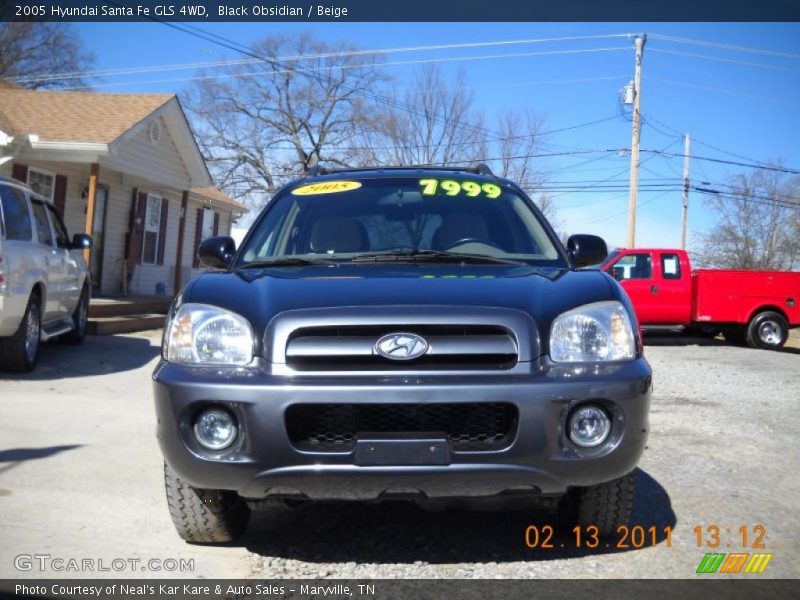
x: 80, y: 477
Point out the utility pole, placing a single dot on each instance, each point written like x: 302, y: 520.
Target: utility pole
x: 687, y: 144
x: 637, y: 130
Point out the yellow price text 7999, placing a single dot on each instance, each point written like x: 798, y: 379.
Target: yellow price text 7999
x: 451, y: 187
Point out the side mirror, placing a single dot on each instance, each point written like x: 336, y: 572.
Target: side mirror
x: 81, y: 241
x: 585, y: 250
x: 618, y: 273
x: 217, y: 252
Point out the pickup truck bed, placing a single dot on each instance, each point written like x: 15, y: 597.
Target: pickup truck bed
x: 736, y: 296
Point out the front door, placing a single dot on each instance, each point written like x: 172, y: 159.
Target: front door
x: 635, y: 272
x: 98, y: 237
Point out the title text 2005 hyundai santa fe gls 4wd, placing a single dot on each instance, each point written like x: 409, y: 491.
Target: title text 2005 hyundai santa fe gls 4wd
x: 409, y: 333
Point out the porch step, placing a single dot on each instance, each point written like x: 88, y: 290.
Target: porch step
x: 118, y: 307
x: 124, y: 324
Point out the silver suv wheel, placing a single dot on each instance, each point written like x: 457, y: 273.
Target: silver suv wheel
x: 32, y: 332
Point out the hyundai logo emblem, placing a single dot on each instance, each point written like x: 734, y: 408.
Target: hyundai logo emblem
x: 401, y: 346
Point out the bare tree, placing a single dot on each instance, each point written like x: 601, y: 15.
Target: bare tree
x: 754, y: 229
x: 261, y: 123
x: 517, y: 141
x: 432, y: 123
x: 35, y: 54
x: 514, y: 152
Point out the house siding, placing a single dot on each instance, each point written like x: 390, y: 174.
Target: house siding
x: 159, y: 163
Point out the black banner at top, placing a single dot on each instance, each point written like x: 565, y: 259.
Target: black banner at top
x: 399, y: 10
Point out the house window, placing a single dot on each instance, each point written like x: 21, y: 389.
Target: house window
x: 152, y: 227
x: 42, y: 182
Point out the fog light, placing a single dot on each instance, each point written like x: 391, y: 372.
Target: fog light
x: 589, y: 426
x: 215, y: 429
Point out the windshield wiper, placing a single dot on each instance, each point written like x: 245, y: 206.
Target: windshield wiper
x: 434, y: 256
x: 288, y: 261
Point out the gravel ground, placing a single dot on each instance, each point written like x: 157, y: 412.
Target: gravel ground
x: 80, y: 477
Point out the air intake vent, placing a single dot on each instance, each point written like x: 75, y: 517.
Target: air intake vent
x: 473, y: 426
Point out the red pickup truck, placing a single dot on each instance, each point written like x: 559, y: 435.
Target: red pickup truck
x: 757, y: 307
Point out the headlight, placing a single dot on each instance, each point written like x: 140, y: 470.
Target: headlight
x: 601, y: 331
x: 200, y: 334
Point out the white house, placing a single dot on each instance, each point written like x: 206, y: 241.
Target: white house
x: 124, y: 168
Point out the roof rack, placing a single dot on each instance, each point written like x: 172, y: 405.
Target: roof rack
x: 479, y: 169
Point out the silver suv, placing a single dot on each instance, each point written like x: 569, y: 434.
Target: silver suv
x: 44, y: 282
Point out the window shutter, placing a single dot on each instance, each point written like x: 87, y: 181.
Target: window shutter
x: 162, y: 230
x: 60, y: 195
x: 198, y: 233
x: 216, y: 223
x: 20, y: 172
x: 136, y: 228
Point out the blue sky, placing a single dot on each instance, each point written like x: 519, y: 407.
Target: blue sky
x: 752, y: 110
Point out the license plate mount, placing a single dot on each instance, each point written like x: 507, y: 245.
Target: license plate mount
x: 401, y: 449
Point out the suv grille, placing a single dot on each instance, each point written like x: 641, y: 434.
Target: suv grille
x: 475, y: 426
x: 352, y: 348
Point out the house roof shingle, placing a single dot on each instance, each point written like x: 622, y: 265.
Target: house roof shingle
x: 212, y: 193
x: 74, y: 116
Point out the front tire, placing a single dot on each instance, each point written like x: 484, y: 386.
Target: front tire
x: 204, y: 516
x: 606, y: 506
x: 20, y: 352
x: 768, y: 330
x: 80, y: 319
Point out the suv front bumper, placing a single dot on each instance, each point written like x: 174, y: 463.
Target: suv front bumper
x: 538, y: 459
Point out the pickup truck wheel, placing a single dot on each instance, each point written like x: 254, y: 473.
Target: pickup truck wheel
x: 606, y: 506
x: 80, y: 317
x: 768, y: 330
x: 204, y: 516
x: 21, y: 351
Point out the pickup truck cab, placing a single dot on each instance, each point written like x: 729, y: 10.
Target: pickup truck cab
x: 44, y: 282
x: 409, y: 333
x: 758, y: 307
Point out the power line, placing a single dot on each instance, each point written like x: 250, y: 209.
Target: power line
x: 240, y: 75
x: 750, y: 198
x: 722, y: 91
x: 723, y: 59
x: 626, y: 170
x: 471, y: 143
x: 721, y: 46
x: 702, y: 143
x: 299, y: 57
x: 624, y: 212
x: 728, y: 162
x: 236, y: 47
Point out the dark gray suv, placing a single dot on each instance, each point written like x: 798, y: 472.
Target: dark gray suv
x: 400, y: 333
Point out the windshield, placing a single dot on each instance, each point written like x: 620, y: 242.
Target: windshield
x: 343, y: 220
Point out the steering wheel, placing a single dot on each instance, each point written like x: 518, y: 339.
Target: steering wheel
x: 472, y: 240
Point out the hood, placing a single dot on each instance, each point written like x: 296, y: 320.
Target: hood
x: 260, y: 294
